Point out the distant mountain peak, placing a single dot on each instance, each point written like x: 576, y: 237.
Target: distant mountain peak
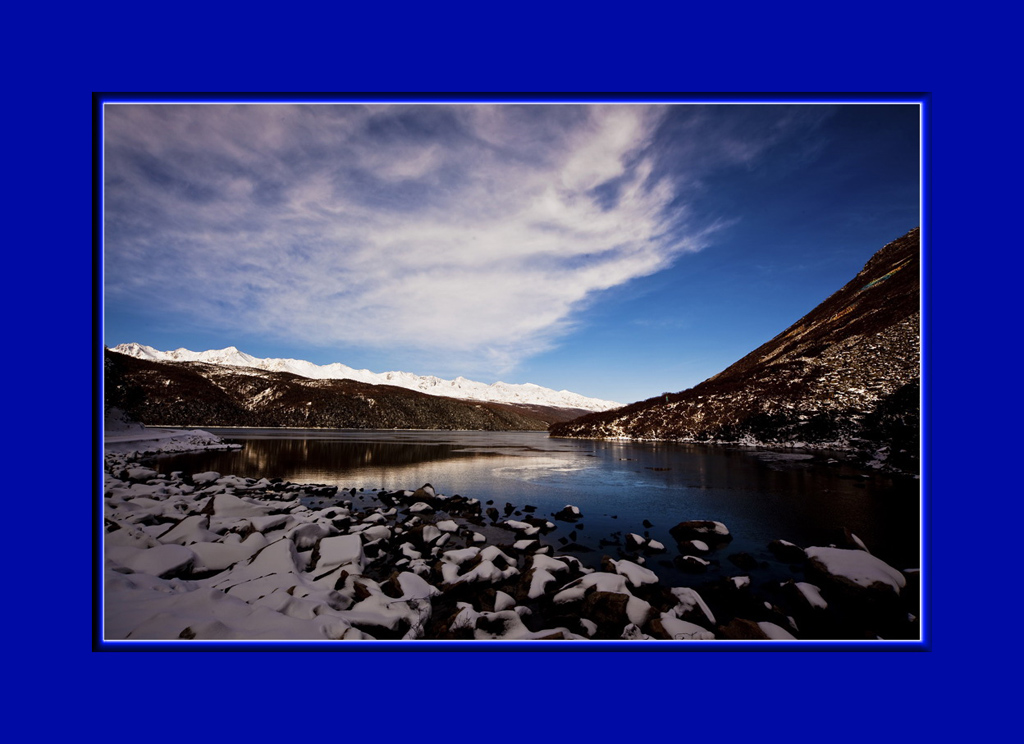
x: 460, y: 388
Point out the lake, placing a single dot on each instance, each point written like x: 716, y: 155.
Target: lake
x: 759, y: 494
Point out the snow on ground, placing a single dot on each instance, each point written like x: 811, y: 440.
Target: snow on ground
x: 146, y: 439
x: 209, y: 556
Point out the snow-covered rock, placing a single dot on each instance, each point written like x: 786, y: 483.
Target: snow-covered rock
x: 691, y: 606
x: 162, y: 561
x: 543, y: 572
x: 700, y: 529
x: 635, y: 575
x: 342, y: 550
x: 682, y: 630
x: 811, y: 594
x: 569, y: 513
x: 217, y: 556
x: 635, y: 541
x: 855, y: 568
x: 598, y: 581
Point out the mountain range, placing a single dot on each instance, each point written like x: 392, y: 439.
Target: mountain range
x: 845, y: 375
x: 228, y: 388
x: 526, y: 394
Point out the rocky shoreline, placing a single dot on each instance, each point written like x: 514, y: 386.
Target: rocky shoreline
x: 205, y: 556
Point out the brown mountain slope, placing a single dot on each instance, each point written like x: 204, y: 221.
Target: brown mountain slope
x: 197, y: 394
x: 847, y: 374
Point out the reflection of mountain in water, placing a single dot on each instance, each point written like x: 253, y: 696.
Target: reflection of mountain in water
x: 334, y: 455
x: 759, y: 494
x: 285, y: 458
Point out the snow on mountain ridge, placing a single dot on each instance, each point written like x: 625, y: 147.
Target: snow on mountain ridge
x: 461, y: 388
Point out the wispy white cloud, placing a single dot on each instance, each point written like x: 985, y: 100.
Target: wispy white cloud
x: 474, y: 231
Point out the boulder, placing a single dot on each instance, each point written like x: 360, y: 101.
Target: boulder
x: 607, y: 610
x: 635, y: 541
x: 693, y: 547
x: 691, y: 606
x: 807, y: 597
x: 425, y: 493
x: 343, y: 550
x: 854, y: 569
x: 162, y: 561
x: 700, y: 529
x: 569, y: 513
x: 863, y: 592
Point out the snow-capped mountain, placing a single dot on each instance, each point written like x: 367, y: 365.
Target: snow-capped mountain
x: 460, y: 387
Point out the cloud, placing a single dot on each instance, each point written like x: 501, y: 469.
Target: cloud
x: 478, y: 232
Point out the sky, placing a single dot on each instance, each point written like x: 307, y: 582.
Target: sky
x: 617, y: 250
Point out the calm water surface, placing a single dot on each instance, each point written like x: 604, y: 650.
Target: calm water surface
x: 760, y: 494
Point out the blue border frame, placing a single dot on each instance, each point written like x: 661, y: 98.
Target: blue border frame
x: 99, y: 100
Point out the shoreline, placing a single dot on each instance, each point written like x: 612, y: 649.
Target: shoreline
x: 868, y: 460
x: 172, y: 440
x: 327, y: 428
x: 205, y: 556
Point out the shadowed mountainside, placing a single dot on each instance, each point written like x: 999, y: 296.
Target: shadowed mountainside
x: 847, y: 374
x: 198, y: 394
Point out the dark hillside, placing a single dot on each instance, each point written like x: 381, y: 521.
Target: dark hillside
x: 197, y: 394
x: 847, y: 374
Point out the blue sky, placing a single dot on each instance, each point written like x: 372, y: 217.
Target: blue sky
x: 616, y: 250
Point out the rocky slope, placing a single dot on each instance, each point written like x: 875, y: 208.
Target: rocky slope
x: 199, y: 394
x: 847, y: 375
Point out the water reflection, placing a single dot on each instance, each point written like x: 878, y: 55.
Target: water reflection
x: 760, y: 495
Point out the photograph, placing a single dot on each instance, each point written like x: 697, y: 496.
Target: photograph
x: 511, y: 371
